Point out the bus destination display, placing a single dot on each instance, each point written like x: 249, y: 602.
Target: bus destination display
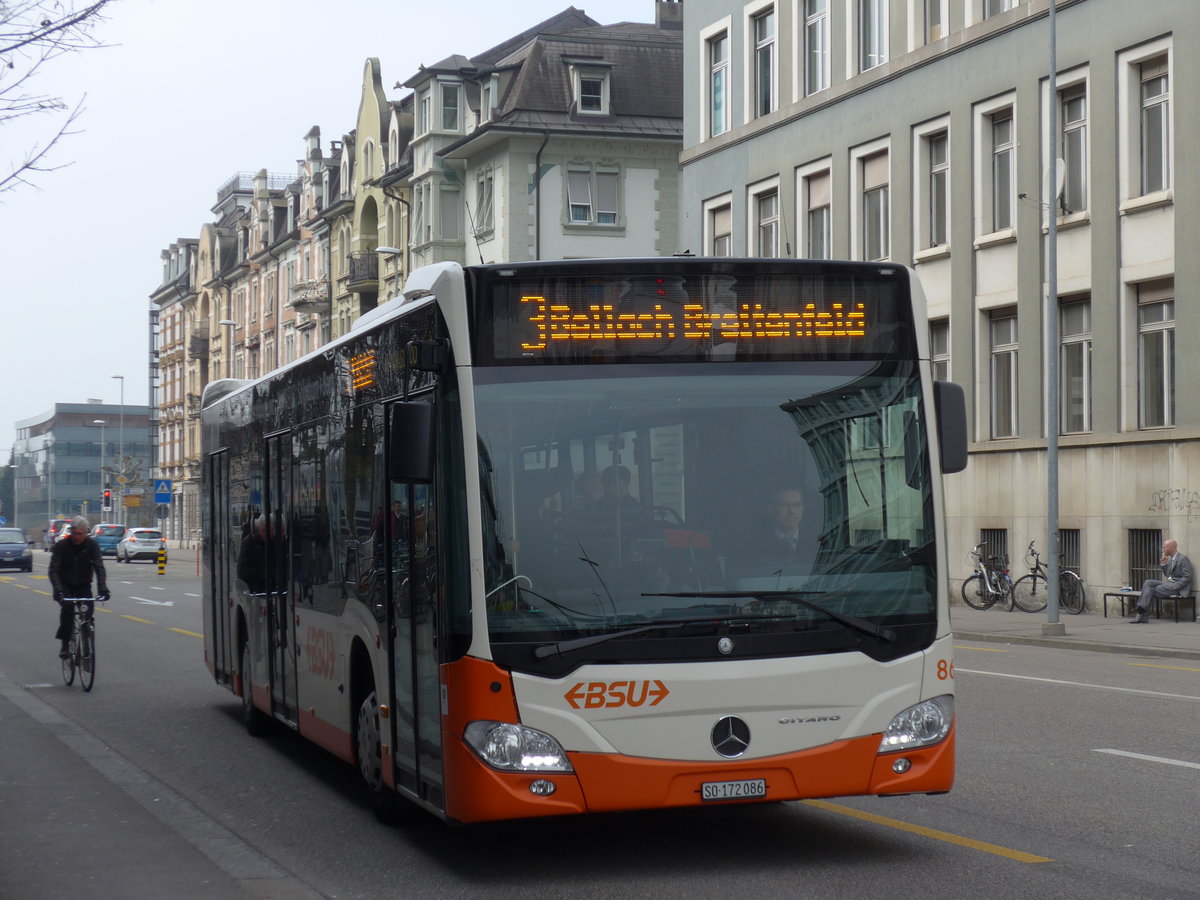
x: 574, y: 320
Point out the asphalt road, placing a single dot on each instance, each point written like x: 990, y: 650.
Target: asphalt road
x: 1078, y: 776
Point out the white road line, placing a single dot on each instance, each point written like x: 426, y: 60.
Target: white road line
x: 1157, y: 759
x: 153, y: 602
x: 1083, y: 684
x: 153, y: 588
x: 191, y: 595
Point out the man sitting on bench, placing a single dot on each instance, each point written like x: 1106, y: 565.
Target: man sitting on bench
x: 1177, y: 582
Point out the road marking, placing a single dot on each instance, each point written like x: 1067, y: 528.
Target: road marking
x: 1178, y: 668
x: 982, y: 649
x: 1098, y: 687
x: 153, y: 588
x: 153, y: 602
x: 188, y: 633
x: 191, y: 595
x: 947, y: 837
x: 136, y: 619
x: 1157, y: 759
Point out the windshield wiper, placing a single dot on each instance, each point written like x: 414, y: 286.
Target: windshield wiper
x: 559, y: 648
x: 875, y: 631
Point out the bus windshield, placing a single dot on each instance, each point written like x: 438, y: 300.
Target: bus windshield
x: 632, y: 509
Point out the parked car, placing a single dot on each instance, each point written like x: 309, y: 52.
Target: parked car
x: 54, y: 531
x: 141, y: 543
x: 15, y: 551
x: 107, y: 536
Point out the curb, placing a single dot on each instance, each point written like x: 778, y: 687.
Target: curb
x: 1067, y: 644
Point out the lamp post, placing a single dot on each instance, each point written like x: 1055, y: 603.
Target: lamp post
x: 228, y: 351
x: 121, y: 450
x: 101, y: 423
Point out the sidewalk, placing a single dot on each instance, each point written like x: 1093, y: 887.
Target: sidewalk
x: 1088, y: 631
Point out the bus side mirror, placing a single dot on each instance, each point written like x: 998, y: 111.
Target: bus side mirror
x: 950, y: 406
x: 410, y: 448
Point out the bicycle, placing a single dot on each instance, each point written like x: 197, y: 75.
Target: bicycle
x: 991, y: 583
x: 81, y: 650
x: 1029, y: 593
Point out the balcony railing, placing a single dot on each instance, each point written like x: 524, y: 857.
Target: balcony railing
x: 310, y: 296
x: 363, y: 270
x: 198, y: 343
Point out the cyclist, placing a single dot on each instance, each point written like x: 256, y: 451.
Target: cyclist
x: 73, y: 562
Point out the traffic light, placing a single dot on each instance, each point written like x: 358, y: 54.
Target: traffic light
x: 107, y: 499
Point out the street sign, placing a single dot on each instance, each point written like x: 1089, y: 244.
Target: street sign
x: 162, y: 490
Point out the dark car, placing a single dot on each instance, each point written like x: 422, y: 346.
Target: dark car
x: 107, y: 536
x: 14, y: 549
x: 141, y: 543
x: 54, y: 530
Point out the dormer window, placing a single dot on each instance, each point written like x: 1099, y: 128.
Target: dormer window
x: 591, y: 88
x: 424, y: 124
x: 451, y: 96
x: 488, y: 94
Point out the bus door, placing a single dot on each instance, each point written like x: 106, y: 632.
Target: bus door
x: 281, y: 628
x: 217, y: 554
x: 413, y: 617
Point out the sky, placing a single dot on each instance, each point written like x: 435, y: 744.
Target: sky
x: 185, y: 95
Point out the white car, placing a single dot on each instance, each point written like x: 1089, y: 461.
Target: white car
x: 141, y: 543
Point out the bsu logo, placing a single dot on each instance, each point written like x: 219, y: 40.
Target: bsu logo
x: 611, y: 695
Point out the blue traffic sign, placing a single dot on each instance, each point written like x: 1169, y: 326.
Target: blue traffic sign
x: 162, y: 490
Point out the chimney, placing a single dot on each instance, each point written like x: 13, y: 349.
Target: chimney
x: 669, y: 14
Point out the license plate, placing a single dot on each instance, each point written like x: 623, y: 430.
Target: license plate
x: 747, y: 789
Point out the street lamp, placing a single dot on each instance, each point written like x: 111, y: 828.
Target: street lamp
x: 228, y: 351
x: 103, y: 482
x: 121, y: 445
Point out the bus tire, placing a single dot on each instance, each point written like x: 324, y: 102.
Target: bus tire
x: 257, y: 723
x: 368, y: 748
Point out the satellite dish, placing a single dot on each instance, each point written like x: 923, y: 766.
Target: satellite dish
x: 1060, y: 177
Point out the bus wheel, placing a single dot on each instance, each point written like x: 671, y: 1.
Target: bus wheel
x: 256, y: 722
x: 368, y: 745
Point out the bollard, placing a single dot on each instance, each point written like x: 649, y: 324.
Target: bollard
x: 162, y: 560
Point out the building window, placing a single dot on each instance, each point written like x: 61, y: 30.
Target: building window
x: 591, y: 91
x: 449, y: 219
x: 1072, y: 107
x: 935, y: 21
x: 1075, y: 367
x: 937, y: 148
x: 872, y: 34
x: 995, y: 7
x: 718, y: 84
x: 939, y: 348
x: 1155, y: 126
x: 486, y: 99
x: 816, y: 46
x: 766, y: 223
x: 451, y: 94
x: 422, y: 222
x: 1156, y: 354
x: 720, y: 230
x: 592, y: 197
x: 1145, y: 550
x: 1004, y: 374
x: 764, y: 62
x: 484, y: 187
x: 424, y: 120
x: 818, y: 223
x: 1003, y: 162
x: 875, y: 237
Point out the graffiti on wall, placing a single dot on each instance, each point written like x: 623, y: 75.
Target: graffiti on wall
x: 1175, y: 500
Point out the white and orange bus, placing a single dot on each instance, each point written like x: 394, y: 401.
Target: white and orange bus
x: 563, y: 537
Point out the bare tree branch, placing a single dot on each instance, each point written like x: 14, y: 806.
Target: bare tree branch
x: 33, y: 32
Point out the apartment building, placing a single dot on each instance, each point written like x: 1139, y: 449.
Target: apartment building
x: 916, y: 131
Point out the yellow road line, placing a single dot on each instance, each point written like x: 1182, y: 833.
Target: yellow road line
x: 945, y: 836
x: 188, y: 633
x: 136, y: 619
x: 982, y: 649
x: 1179, y: 668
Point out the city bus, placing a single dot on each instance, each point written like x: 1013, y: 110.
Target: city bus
x: 514, y: 545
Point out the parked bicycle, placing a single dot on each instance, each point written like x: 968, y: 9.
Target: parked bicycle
x: 1029, y: 593
x: 991, y: 584
x: 81, y: 649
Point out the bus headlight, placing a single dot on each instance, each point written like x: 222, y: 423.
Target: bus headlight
x: 515, y: 748
x: 919, y: 726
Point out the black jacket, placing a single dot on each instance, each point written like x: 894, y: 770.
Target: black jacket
x: 71, y: 568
